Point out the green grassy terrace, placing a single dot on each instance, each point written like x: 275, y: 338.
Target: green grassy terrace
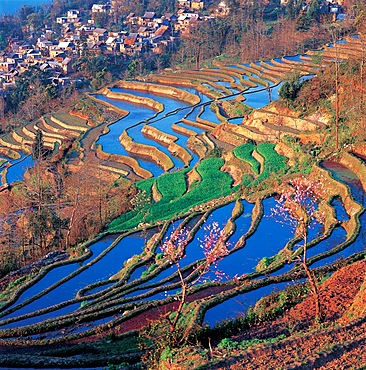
x: 176, y: 199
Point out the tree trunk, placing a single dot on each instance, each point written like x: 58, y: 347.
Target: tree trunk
x: 313, y: 285
x: 314, y: 288
x: 182, y: 300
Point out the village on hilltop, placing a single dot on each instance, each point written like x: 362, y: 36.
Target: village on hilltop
x: 79, y: 34
x: 55, y: 52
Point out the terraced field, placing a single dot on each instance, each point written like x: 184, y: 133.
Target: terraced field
x: 170, y: 137
x: 208, y: 100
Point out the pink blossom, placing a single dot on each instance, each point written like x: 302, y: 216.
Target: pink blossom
x: 214, y: 248
x: 213, y: 244
x: 303, y: 193
x: 174, y: 246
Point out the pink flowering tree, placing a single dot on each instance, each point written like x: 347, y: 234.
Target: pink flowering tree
x: 162, y: 337
x: 214, y: 246
x: 297, y: 207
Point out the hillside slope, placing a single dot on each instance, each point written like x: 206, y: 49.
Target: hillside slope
x: 337, y: 343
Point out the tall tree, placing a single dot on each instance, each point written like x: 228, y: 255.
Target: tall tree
x: 38, y: 151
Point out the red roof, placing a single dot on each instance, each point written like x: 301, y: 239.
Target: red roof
x: 130, y: 41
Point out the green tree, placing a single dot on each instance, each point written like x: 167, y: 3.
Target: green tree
x: 24, y: 12
x: 303, y: 23
x: 134, y: 68
x: 35, y: 21
x: 102, y: 20
x: 19, y: 95
x: 314, y: 10
x: 290, y: 88
x: 3, y: 40
x: 50, y: 92
x: 291, y: 9
x: 10, y: 27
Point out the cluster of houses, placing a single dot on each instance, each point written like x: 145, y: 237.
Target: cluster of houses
x: 56, y: 53
x: 336, y: 8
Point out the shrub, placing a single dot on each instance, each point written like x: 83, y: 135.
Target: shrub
x: 151, y: 268
x: 166, y: 353
x: 16, y: 282
x: 159, y: 256
x: 290, y: 88
x: 264, y: 263
x: 214, y: 153
x: 228, y: 344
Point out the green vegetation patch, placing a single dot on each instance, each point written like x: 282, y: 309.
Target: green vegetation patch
x: 146, y: 185
x: 233, y: 108
x: 231, y: 345
x: 17, y: 282
x: 273, y: 162
x: 172, y: 185
x: 9, y: 291
x: 244, y: 153
x: 114, y: 346
x: 214, y: 184
x: 276, y: 303
x: 264, y: 263
x: 96, y: 112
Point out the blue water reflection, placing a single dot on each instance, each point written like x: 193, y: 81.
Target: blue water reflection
x: 110, y: 264
x: 239, y: 304
x: 17, y: 169
x: 259, y: 97
x: 110, y: 141
x: 242, y: 223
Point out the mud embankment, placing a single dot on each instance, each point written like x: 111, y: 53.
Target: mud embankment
x: 146, y: 151
x: 130, y: 98
x: 129, y: 161
x: 169, y: 91
x: 169, y: 141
